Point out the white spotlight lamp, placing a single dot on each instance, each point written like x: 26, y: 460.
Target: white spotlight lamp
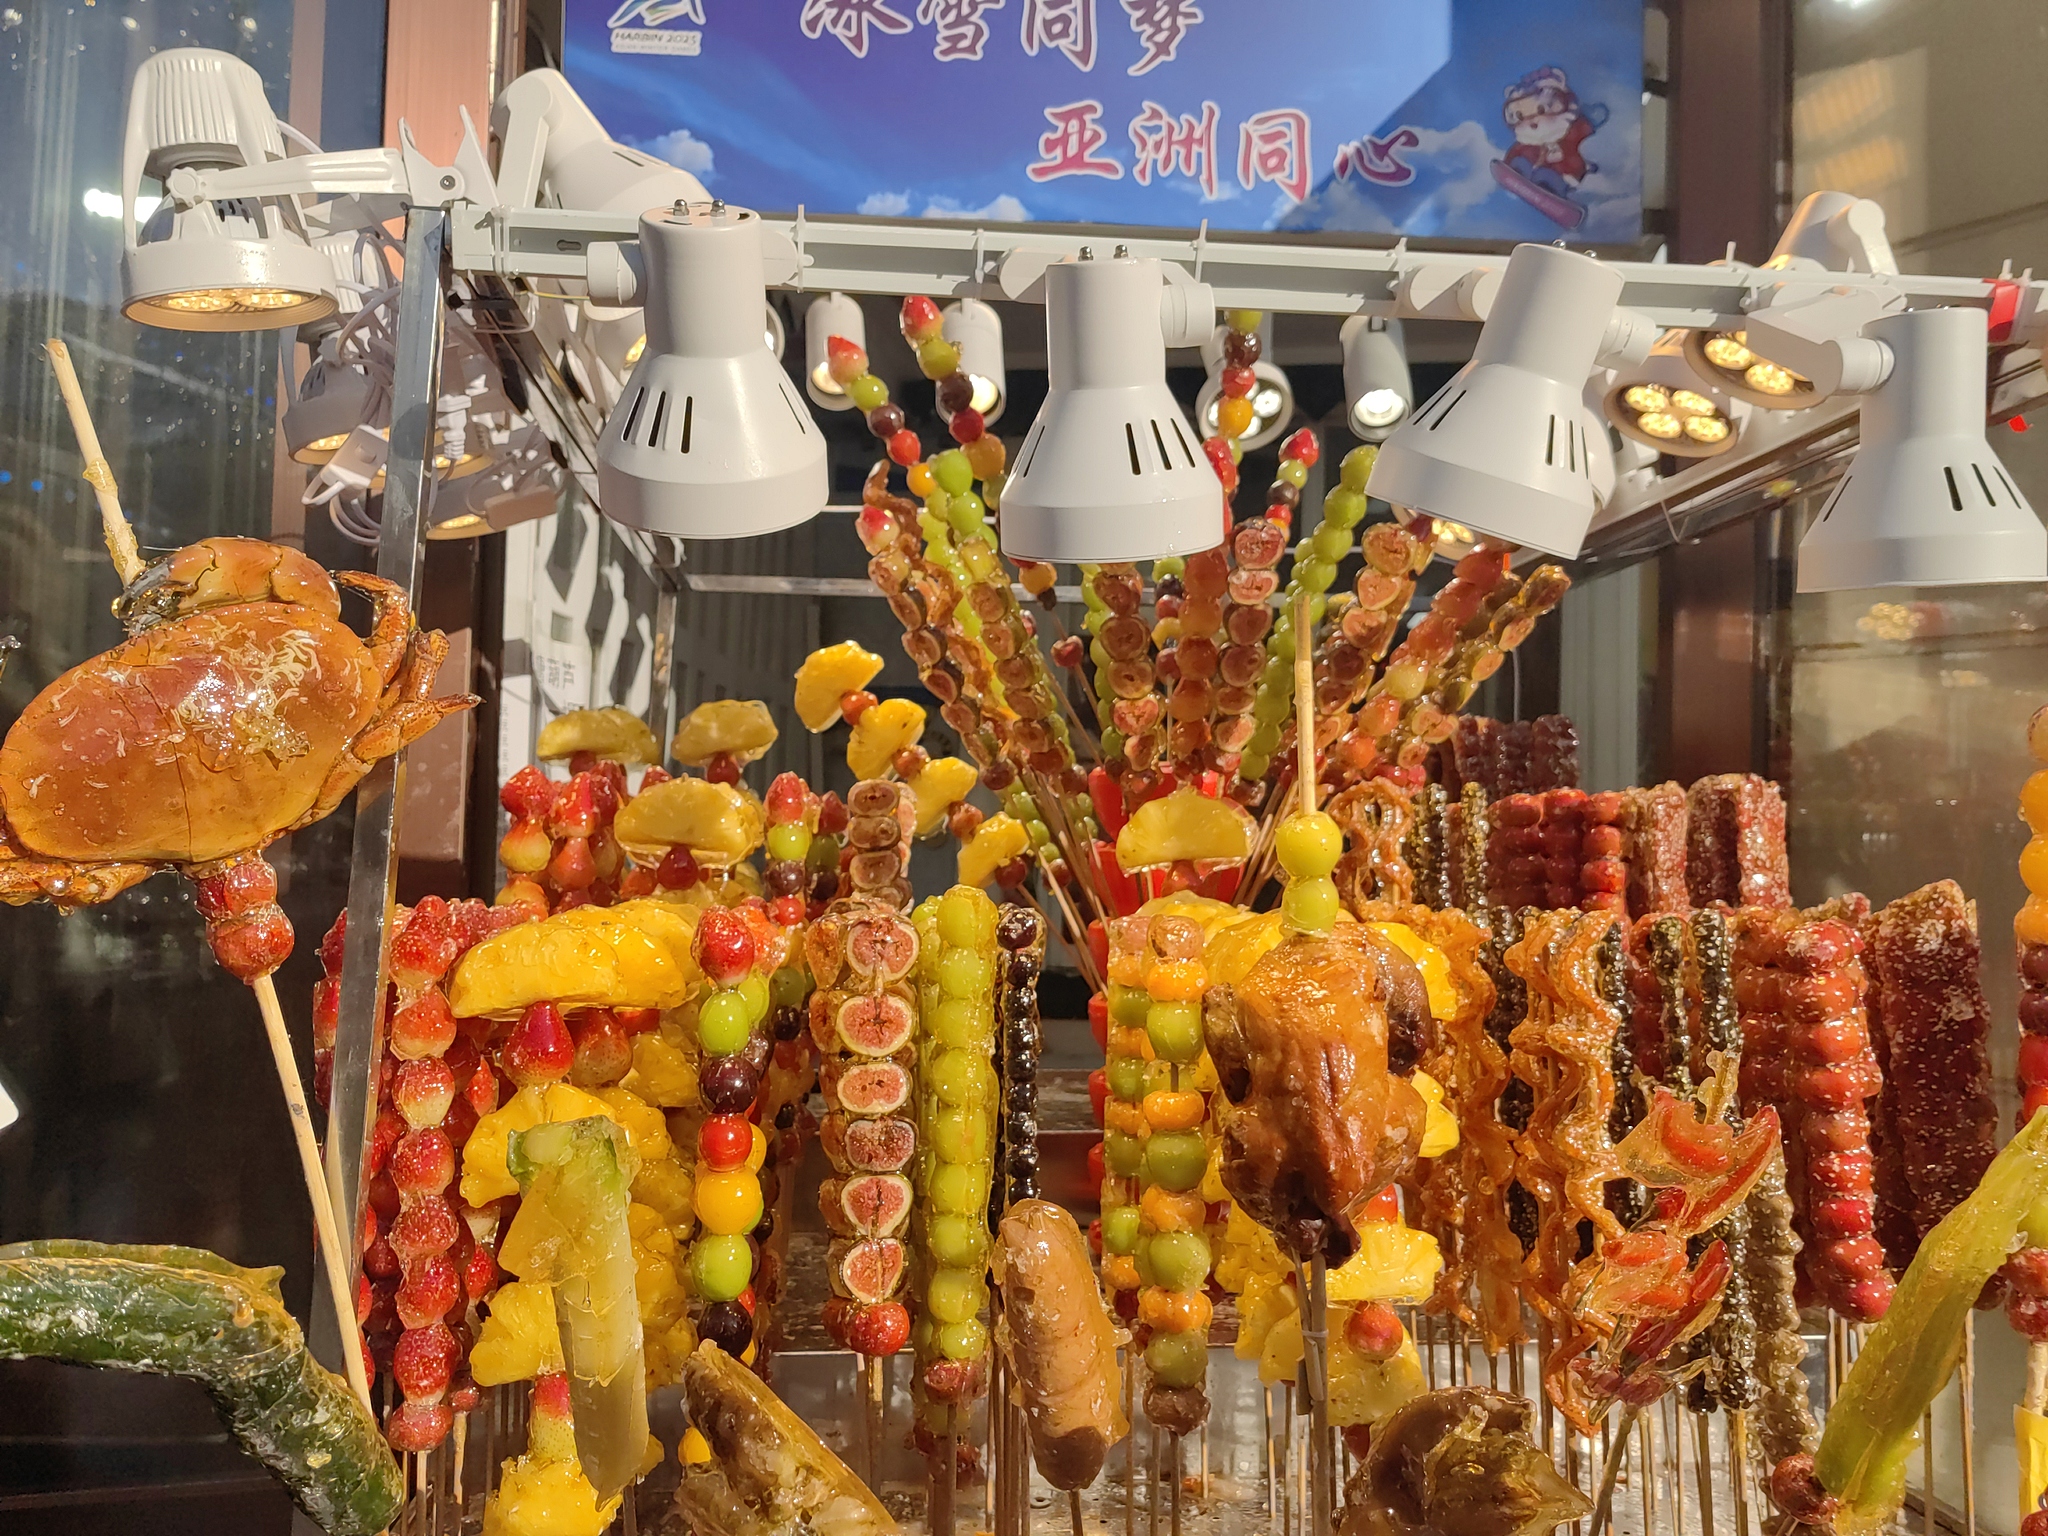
x: 334, y: 399
x: 976, y: 331
x: 710, y: 439
x: 241, y: 264
x: 1504, y: 447
x: 1665, y: 404
x: 1378, y: 393
x: 1925, y: 502
x: 554, y: 152
x: 1111, y: 469
x: 834, y: 314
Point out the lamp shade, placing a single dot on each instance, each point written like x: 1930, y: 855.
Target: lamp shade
x: 977, y: 330
x: 1378, y: 392
x: 710, y: 439
x: 1925, y: 502
x: 1503, y: 447
x: 240, y: 265
x: 829, y: 315
x: 1111, y: 469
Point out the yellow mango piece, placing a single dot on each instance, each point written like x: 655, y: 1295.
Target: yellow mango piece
x: 664, y: 1071
x: 646, y: 1126
x: 881, y: 732
x: 1431, y: 961
x: 1365, y: 1391
x: 539, y: 1497
x: 827, y: 676
x: 1394, y: 1262
x: 695, y: 1449
x: 657, y: 1291
x: 719, y: 824
x: 642, y: 1221
x: 634, y: 955
x: 996, y: 841
x: 1439, y: 1125
x: 1186, y: 824
x: 1236, y: 947
x: 484, y: 1175
x: 520, y: 1339
x: 742, y: 727
x: 617, y: 735
x: 943, y: 784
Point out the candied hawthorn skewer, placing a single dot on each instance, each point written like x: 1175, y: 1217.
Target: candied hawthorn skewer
x: 1735, y: 843
x: 1730, y: 1342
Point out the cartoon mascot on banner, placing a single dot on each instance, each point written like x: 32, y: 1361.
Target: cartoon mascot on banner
x: 1548, y: 160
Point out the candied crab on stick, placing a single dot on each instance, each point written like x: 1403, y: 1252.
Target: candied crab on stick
x: 1314, y: 1050
x: 240, y: 708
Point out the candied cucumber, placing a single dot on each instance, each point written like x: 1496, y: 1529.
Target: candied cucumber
x: 186, y: 1312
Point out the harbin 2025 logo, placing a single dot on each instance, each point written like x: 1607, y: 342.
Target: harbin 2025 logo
x: 641, y: 26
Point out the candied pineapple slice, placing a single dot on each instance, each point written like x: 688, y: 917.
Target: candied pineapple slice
x: 485, y: 1174
x: 634, y: 955
x: 617, y: 735
x: 1432, y: 962
x: 943, y: 784
x: 520, y: 1338
x: 719, y: 824
x: 1185, y: 825
x: 742, y: 727
x: 996, y: 841
x: 547, y: 1498
x: 1394, y: 1263
x: 1439, y: 1125
x: 881, y: 732
x: 827, y: 676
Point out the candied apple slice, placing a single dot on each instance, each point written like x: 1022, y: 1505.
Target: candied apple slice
x: 719, y: 824
x: 614, y: 734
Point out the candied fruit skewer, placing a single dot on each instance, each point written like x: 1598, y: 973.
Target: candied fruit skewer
x: 1125, y: 1005
x: 1427, y: 850
x: 1021, y: 934
x: 1129, y: 706
x: 2026, y: 1272
x: 1735, y: 843
x: 1256, y: 546
x: 958, y: 1102
x: 864, y: 1020
x: 1172, y: 1211
x: 1729, y: 1343
x: 1189, y: 664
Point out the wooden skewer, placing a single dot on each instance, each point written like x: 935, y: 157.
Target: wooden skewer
x: 1074, y: 1509
x: 333, y: 1256
x: 1304, y: 705
x: 2036, y: 1399
x: 113, y: 523
x: 1966, y: 1383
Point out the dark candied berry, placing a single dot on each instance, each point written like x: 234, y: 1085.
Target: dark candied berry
x: 1018, y: 927
x: 785, y: 1117
x: 756, y: 1053
x: 728, y: 1084
x: 1021, y: 1066
x: 785, y: 877
x: 766, y: 1229
x: 728, y: 1325
x: 886, y: 420
x: 1022, y: 996
x: 1020, y: 1126
x: 787, y: 1023
x: 955, y: 393
x: 1169, y: 586
x: 1022, y: 1161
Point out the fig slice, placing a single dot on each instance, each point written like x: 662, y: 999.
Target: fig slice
x: 870, y: 1270
x: 867, y: 1205
x: 880, y: 1146
x: 875, y: 1025
x: 868, y: 1087
x: 825, y: 949
x: 883, y: 946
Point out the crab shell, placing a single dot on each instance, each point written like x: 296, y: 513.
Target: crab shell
x: 207, y: 734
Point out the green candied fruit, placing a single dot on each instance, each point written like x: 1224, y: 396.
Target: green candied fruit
x: 958, y: 1242
x: 1311, y: 905
x: 967, y: 513
x: 1344, y: 507
x: 1127, y: 1077
x: 1180, y: 1260
x: 965, y: 973
x: 959, y: 1189
x: 957, y: 1023
x: 966, y: 918
x: 722, y: 1267
x: 753, y: 991
x: 961, y: 1077
x: 1120, y: 1229
x: 960, y: 1136
x: 866, y: 391
x: 1142, y: 1257
x: 789, y: 840
x: 1357, y: 468
x: 955, y: 1295
x: 1128, y: 1005
x: 1175, y: 1029
x: 1332, y: 543
x: 953, y: 472
x: 1176, y: 1160
x: 1122, y: 1154
x: 964, y: 1340
x: 723, y: 1023
x: 1178, y: 1359
x: 788, y: 987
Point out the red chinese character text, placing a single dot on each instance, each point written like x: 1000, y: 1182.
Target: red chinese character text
x: 849, y: 21
x: 1166, y: 144
x: 1273, y: 146
x: 1377, y: 160
x: 1069, y: 150
x: 1160, y: 25
x: 961, y: 32
x: 1068, y: 25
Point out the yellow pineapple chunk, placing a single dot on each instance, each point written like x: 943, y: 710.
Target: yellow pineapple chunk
x: 719, y: 824
x: 664, y: 1072
x: 1185, y: 825
x: 520, y: 1338
x: 943, y: 784
x: 1394, y: 1263
x: 827, y: 676
x: 742, y: 727
x: 996, y: 841
x: 633, y: 955
x: 617, y: 735
x: 538, y: 1497
x: 881, y: 732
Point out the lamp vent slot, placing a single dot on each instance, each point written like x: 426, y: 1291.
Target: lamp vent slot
x: 1828, y: 511
x: 1182, y: 438
x: 2006, y: 480
x: 803, y: 422
x: 1030, y: 449
x: 1131, y: 442
x: 1955, y: 497
x: 660, y: 419
x: 1983, y: 484
x: 1550, y: 445
x: 1451, y: 405
x: 689, y: 420
x: 633, y: 415
x: 1165, y: 459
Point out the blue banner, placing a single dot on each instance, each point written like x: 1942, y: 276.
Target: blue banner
x: 1478, y: 119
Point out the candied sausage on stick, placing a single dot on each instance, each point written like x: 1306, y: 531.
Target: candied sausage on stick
x: 1061, y: 1343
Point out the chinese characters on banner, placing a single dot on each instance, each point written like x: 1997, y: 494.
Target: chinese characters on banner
x: 1272, y: 147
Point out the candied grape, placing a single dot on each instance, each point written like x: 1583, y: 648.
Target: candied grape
x: 721, y: 1267
x: 1177, y: 1160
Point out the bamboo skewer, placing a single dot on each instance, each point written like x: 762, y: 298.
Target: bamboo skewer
x: 120, y: 537
x: 1966, y: 1381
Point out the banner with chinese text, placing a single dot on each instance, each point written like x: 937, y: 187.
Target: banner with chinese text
x: 1475, y: 119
